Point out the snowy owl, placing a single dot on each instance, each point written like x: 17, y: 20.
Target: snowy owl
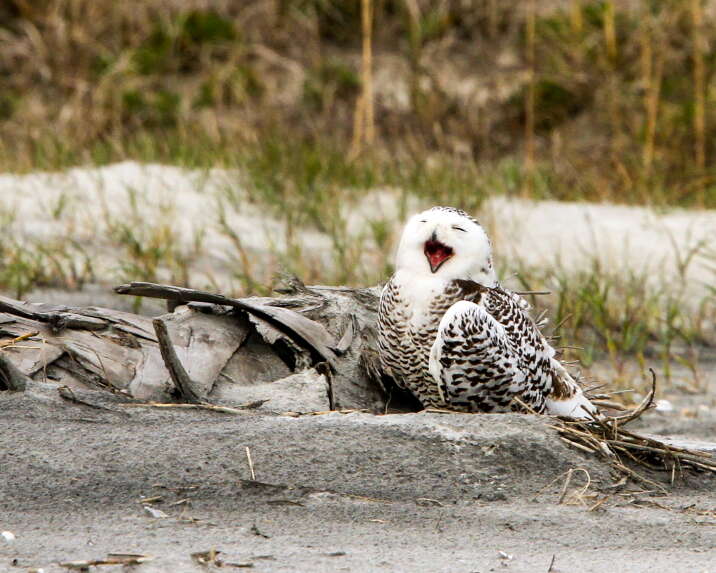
x: 455, y: 338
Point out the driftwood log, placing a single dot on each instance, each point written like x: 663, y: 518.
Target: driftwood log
x: 310, y: 349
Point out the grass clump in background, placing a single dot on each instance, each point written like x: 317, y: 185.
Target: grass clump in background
x: 607, y: 100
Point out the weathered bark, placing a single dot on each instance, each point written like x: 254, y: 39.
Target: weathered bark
x: 10, y: 377
x: 312, y: 335
x: 211, y: 348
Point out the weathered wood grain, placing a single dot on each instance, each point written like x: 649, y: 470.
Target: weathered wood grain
x: 213, y: 348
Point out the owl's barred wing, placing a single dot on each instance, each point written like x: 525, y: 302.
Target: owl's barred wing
x: 474, y: 363
x: 391, y: 331
x: 564, y: 397
x: 489, y: 352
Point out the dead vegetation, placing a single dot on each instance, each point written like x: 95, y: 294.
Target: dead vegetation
x: 567, y: 99
x: 312, y: 350
x: 606, y: 437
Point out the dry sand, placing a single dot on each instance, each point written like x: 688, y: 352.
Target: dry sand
x: 82, y: 205
x: 412, y: 492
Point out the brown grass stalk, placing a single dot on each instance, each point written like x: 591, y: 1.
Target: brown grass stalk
x: 651, y: 78
x: 367, y: 59
x: 610, y: 35
x: 697, y: 54
x: 610, y: 46
x: 529, y: 153
x: 364, y: 119
x: 575, y: 17
x: 493, y: 18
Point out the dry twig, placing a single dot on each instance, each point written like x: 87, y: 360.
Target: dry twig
x: 251, y: 463
x: 200, y: 406
x: 126, y: 559
x: 20, y: 338
x: 606, y: 436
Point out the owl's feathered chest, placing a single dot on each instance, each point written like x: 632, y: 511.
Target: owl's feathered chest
x: 416, y: 309
x: 408, y: 323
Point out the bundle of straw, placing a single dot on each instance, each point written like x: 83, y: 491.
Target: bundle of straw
x: 607, y: 437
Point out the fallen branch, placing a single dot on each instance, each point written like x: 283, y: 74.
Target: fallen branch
x: 56, y: 319
x: 179, y: 375
x: 308, y: 333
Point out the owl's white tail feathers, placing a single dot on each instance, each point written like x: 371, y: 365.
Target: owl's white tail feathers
x: 567, y: 398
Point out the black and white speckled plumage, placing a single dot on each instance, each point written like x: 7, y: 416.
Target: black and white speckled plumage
x: 455, y: 338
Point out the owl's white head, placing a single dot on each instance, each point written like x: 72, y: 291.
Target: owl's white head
x: 447, y: 243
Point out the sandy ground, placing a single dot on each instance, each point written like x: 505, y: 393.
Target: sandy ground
x: 85, y: 210
x: 336, y: 492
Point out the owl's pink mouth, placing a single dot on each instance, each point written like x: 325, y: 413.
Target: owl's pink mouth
x: 437, y: 253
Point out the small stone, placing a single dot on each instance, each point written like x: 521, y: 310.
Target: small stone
x: 8, y: 536
x: 158, y: 513
x: 664, y: 406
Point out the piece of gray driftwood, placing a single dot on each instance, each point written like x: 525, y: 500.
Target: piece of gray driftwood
x: 316, y: 343
x: 10, y: 376
x: 57, y: 317
x: 309, y: 333
x: 183, y: 383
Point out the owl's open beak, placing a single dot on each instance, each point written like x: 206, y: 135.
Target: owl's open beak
x: 436, y: 253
